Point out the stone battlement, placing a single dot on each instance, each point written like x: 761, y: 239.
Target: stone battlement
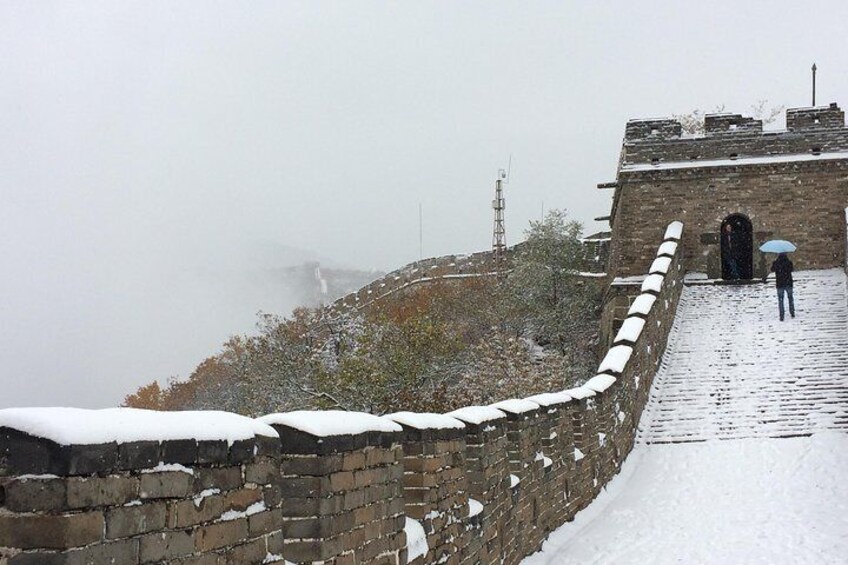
x: 729, y: 136
x: 483, y: 484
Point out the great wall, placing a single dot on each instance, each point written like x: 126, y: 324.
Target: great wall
x: 479, y: 485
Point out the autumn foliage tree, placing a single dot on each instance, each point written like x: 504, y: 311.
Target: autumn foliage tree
x: 432, y: 347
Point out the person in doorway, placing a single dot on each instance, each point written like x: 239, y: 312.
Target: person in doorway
x: 782, y: 268
x: 729, y: 250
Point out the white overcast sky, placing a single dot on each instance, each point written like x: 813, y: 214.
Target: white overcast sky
x: 153, y: 152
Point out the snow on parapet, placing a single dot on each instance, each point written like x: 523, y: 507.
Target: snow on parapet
x: 324, y: 423
x: 642, y: 304
x: 516, y: 406
x: 735, y: 162
x: 580, y: 392
x: 425, y: 421
x: 668, y: 248
x: 599, y: 383
x: 652, y: 283
x: 79, y: 426
x: 550, y: 398
x: 630, y: 330
x: 616, y: 359
x: 674, y: 230
x: 477, y: 415
x: 660, y: 265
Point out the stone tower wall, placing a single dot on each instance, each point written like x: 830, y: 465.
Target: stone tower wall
x: 791, y: 185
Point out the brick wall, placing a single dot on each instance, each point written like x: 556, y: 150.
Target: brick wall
x: 486, y: 484
x: 138, y: 502
x: 791, y: 185
x: 661, y: 140
x: 454, y: 267
x: 802, y: 202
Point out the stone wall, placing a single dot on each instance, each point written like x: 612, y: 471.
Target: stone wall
x: 420, y: 272
x: 180, y: 501
x: 801, y: 201
x: 481, y: 485
x: 455, y: 267
x: 791, y: 185
x: 662, y: 140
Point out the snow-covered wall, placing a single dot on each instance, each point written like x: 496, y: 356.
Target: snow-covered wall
x: 453, y: 267
x: 483, y: 484
x: 480, y: 264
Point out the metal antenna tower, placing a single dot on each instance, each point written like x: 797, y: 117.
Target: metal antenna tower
x: 499, y: 234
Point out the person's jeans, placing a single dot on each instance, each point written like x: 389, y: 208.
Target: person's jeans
x: 732, y: 267
x: 781, y: 290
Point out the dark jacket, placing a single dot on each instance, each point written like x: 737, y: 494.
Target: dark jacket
x: 782, y: 267
x: 729, y: 244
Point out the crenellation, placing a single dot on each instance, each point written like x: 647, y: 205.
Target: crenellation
x: 733, y: 136
x: 486, y: 484
x: 732, y: 124
x: 819, y: 117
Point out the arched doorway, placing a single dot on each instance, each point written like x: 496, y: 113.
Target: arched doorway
x: 737, y: 247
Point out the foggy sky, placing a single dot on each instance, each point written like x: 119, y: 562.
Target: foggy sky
x: 152, y: 153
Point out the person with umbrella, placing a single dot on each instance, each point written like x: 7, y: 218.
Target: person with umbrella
x: 782, y: 268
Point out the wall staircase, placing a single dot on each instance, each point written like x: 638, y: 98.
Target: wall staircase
x: 733, y: 370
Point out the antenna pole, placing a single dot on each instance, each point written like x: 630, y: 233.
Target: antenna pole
x: 420, y: 232
x: 499, y: 233
x: 814, y: 84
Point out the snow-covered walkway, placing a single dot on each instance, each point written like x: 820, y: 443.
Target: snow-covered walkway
x: 776, y: 492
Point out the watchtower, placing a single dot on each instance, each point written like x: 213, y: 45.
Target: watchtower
x: 790, y: 184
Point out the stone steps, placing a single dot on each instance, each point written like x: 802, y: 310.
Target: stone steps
x: 732, y: 370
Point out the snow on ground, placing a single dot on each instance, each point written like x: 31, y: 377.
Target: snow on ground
x: 742, y: 453
x: 770, y: 501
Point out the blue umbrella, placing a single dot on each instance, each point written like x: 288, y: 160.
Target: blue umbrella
x: 777, y: 246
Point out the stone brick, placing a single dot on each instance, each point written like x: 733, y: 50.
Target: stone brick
x: 353, y: 461
x: 313, y: 465
x: 50, y: 531
x: 34, y: 558
x: 165, y: 546
x: 221, y: 478
x: 88, y: 492
x: 185, y: 513
x: 314, y: 550
x: 305, y: 507
x: 128, y: 521
x: 183, y: 451
x: 212, y: 451
x: 262, y: 472
x: 265, y: 522
x: 215, y: 536
x: 123, y: 551
x: 167, y: 484
x: 31, y: 495
x: 250, y: 552
x: 241, y: 451
x: 138, y: 455
x: 205, y: 559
